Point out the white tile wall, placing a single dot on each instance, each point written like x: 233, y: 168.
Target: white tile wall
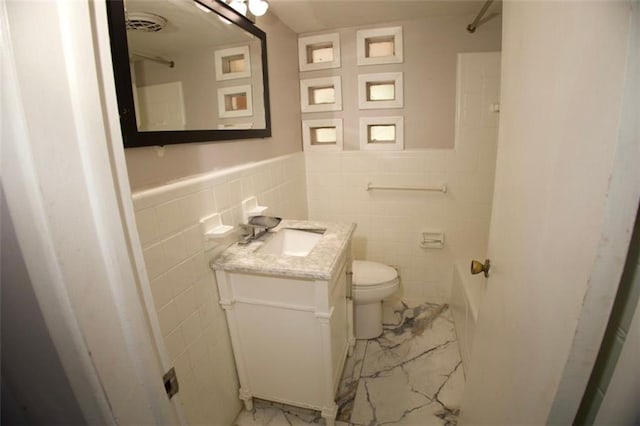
x: 390, y: 222
x: 183, y: 287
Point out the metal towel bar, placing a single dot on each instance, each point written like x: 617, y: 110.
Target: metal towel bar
x: 442, y: 188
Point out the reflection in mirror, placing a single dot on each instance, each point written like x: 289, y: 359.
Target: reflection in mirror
x: 187, y: 71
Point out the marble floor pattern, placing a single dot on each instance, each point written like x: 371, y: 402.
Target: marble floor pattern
x: 411, y: 375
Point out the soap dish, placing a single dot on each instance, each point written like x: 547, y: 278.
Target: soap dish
x: 213, y: 228
x: 251, y: 208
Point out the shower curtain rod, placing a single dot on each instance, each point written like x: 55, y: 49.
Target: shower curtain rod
x: 163, y: 61
x: 472, y: 26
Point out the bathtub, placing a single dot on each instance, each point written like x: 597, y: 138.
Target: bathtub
x: 466, y: 292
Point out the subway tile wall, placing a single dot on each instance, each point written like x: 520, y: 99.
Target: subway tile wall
x: 184, y: 292
x: 390, y: 222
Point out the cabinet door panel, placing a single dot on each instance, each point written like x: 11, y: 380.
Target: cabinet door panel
x: 339, y: 326
x: 282, y: 353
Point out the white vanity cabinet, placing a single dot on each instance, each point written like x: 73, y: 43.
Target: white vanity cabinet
x: 290, y: 334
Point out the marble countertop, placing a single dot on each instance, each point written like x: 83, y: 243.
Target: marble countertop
x: 319, y: 264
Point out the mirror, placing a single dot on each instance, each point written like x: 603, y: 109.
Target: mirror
x: 187, y: 71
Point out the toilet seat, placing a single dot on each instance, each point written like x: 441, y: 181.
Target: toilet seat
x: 367, y: 274
x: 373, y: 281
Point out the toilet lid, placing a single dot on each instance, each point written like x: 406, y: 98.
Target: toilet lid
x: 372, y: 273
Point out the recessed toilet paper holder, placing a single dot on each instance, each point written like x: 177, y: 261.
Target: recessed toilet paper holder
x: 432, y: 239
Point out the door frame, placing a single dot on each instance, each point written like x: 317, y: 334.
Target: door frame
x: 66, y: 187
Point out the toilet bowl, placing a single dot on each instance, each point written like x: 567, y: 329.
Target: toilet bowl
x: 371, y: 283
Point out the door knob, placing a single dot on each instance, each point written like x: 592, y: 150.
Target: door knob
x: 477, y: 267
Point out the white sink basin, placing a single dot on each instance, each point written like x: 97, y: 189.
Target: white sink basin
x: 291, y: 242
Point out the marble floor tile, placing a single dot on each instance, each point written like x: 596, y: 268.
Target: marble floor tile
x: 349, y: 381
x: 411, y: 375
x: 375, y: 405
x: 266, y: 413
x: 423, y: 330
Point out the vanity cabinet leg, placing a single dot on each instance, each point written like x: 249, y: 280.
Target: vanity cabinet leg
x: 350, y: 334
x: 329, y: 415
x: 247, y: 398
x: 248, y: 404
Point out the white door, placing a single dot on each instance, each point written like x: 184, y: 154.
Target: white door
x: 161, y: 107
x: 562, y: 93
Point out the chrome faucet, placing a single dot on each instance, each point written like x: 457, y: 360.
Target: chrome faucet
x: 256, y: 227
x: 251, y: 233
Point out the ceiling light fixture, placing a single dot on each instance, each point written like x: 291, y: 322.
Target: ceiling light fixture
x: 258, y: 7
x: 239, y: 6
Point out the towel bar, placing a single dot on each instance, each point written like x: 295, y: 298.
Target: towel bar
x: 442, y: 188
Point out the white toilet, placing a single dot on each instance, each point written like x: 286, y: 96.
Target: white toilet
x: 371, y: 282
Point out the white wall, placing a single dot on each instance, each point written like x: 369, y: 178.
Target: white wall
x: 430, y: 46
x: 390, y: 222
x: 184, y: 291
x: 147, y: 169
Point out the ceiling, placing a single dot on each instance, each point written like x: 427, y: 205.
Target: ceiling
x: 188, y: 27
x: 304, y: 16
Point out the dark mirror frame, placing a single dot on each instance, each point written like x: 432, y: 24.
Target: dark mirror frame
x: 122, y: 74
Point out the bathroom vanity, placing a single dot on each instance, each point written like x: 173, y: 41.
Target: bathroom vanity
x: 288, y: 307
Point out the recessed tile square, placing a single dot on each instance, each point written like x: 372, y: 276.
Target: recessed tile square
x: 321, y: 94
x: 233, y: 63
x: 319, y: 52
x: 381, y: 133
x: 380, y: 91
x: 322, y: 135
x: 379, y: 46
